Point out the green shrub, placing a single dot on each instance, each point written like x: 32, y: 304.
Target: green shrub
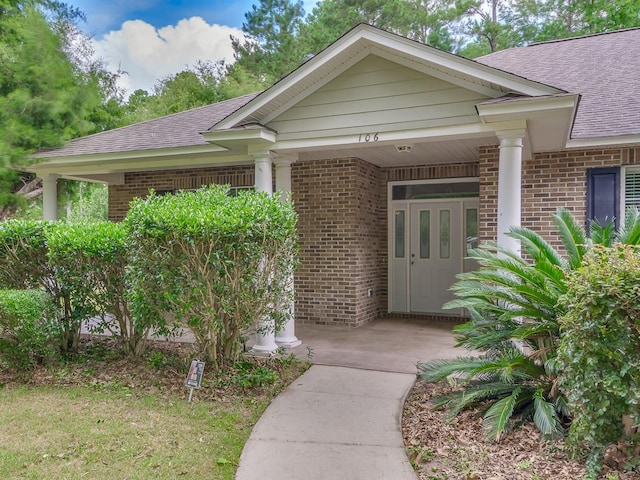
x: 600, y: 348
x: 92, y: 259
x: 29, y: 329
x: 25, y: 265
x: 218, y: 263
x: 23, y: 255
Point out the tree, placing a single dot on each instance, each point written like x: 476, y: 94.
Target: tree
x: 49, y: 91
x: 271, y: 49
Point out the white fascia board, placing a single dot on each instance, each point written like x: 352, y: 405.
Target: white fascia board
x: 474, y: 130
x: 106, y: 178
x: 249, y: 135
x: 54, y: 162
x: 166, y: 163
x: 465, y: 66
x: 603, y: 141
x: 497, y: 111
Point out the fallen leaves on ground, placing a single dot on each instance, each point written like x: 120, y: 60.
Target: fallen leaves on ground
x: 441, y: 448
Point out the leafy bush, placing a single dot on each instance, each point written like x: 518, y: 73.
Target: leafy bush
x: 600, y: 348
x: 29, y: 329
x: 92, y: 259
x: 24, y: 258
x: 514, y: 310
x: 23, y: 255
x: 216, y: 262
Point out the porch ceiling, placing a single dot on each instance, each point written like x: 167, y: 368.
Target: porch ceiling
x: 421, y: 153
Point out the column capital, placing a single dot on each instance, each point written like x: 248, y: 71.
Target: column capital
x: 260, y: 153
x: 49, y: 177
x: 511, y: 138
x: 285, y: 160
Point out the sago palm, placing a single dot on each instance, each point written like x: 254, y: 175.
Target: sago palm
x: 513, y: 306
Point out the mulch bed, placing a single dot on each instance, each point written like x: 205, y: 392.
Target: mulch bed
x: 441, y: 448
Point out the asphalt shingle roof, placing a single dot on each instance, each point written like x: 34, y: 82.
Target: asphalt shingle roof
x: 604, y: 69
x: 178, y: 130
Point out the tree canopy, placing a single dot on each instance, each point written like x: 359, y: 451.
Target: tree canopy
x: 52, y: 88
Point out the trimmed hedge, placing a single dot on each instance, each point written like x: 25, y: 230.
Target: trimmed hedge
x: 220, y: 264
x: 29, y: 328
x: 92, y: 260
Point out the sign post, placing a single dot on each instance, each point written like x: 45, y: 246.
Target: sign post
x: 194, y: 377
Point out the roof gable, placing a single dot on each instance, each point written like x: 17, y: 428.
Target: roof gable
x: 365, y: 40
x: 378, y: 95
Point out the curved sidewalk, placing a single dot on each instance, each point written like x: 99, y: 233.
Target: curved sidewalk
x: 341, y: 420
x: 332, y: 423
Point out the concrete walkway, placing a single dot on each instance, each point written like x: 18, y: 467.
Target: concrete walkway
x: 342, y: 418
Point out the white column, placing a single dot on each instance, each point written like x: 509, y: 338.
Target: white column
x: 286, y: 336
x: 50, y: 196
x: 265, y: 335
x: 509, y: 186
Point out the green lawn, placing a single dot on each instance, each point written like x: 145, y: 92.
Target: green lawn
x: 84, y: 432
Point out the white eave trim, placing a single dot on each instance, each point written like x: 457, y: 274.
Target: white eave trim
x: 526, y: 105
x: 51, y: 162
x: 364, y: 38
x: 603, y: 141
x: 247, y: 135
x: 475, y: 130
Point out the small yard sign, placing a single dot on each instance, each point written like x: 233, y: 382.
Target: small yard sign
x: 194, y: 377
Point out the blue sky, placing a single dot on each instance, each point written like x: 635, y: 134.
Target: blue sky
x: 150, y: 39
x: 103, y: 16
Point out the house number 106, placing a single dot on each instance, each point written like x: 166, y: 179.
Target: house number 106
x: 368, y: 137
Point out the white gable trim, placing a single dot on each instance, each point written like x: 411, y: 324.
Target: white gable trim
x: 604, y: 141
x: 363, y: 40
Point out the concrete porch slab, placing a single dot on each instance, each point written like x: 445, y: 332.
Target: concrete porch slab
x: 388, y: 345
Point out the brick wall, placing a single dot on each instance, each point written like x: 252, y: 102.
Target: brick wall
x: 138, y: 184
x: 550, y: 180
x: 325, y: 282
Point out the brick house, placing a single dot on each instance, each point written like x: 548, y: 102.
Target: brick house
x: 399, y: 158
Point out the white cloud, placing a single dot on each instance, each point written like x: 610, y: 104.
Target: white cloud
x: 147, y: 53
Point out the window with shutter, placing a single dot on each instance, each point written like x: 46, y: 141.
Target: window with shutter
x: 603, y: 195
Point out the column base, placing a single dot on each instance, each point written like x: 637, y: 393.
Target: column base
x: 260, y: 351
x: 288, y: 342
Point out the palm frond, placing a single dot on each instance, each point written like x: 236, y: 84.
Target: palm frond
x: 436, y: 370
x: 629, y: 234
x: 496, y: 418
x: 601, y: 234
x: 545, y: 416
x: 536, y: 247
x: 475, y: 395
x: 572, y: 235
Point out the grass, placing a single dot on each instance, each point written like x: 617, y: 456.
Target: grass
x: 123, y: 420
x: 78, y: 432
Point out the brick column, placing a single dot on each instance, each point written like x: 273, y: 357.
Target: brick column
x: 509, y: 186
x: 286, y: 336
x: 265, y: 334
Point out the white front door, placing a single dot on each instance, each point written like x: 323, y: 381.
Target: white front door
x: 435, y: 254
x: 438, y: 233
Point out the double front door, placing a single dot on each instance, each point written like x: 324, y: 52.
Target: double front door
x: 429, y: 243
